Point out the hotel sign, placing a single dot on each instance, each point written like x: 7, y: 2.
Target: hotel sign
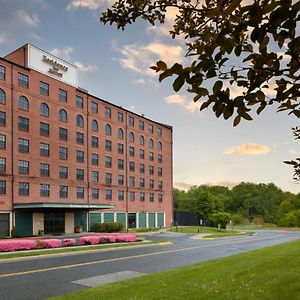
x: 52, y: 66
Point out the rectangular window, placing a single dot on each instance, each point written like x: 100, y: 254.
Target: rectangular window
x: 120, y: 117
x: 151, y: 156
x: 23, y: 124
x: 23, y: 80
x: 120, y: 164
x: 63, y: 153
x: 23, y: 188
x: 151, y: 184
x: 95, y: 193
x: 95, y: 159
x: 2, y: 165
x: 63, y: 172
x: 151, y: 197
x: 108, y: 194
x: 44, y: 129
x: 107, y: 112
x: 141, y: 125
x: 79, y: 138
x: 150, y: 129
x: 44, y: 190
x: 23, y: 166
x: 63, y: 191
x: 160, y: 198
x: 142, y: 168
x: 2, y: 141
x: 142, y: 182
x: 2, y: 97
x: 2, y: 118
x: 120, y: 148
x: 142, y: 154
x: 80, y: 174
x: 131, y: 166
x: 95, y: 176
x: 94, y: 107
x: 159, y: 171
x: 142, y: 196
x: 108, y: 178
x: 160, y: 185
x: 44, y: 170
x: 108, y: 145
x: 120, y: 195
x: 131, y: 151
x: 108, y: 162
x: 131, y: 196
x: 120, y: 180
x: 2, y: 72
x: 80, y: 192
x: 63, y: 134
x: 44, y: 88
x: 79, y: 102
x: 79, y: 156
x: 131, y: 121
x: 44, y: 149
x: 151, y: 170
x: 23, y: 145
x: 2, y: 187
x: 94, y: 142
x: 159, y: 158
x: 131, y: 181
x: 63, y: 95
x: 159, y: 132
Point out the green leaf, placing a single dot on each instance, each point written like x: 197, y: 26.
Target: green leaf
x: 162, y: 65
x: 217, y: 86
x: 236, y: 121
x: 178, y: 83
x: 227, y: 112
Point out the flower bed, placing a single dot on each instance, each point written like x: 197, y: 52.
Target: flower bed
x: 30, y: 244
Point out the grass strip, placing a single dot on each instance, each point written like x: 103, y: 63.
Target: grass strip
x: 71, y: 249
x: 227, y: 234
x: 265, y: 274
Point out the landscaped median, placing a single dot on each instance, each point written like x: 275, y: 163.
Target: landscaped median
x: 11, y: 245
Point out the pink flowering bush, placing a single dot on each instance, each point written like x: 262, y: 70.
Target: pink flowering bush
x: 90, y: 240
x: 14, y: 245
x: 126, y: 237
x: 69, y: 242
x: 52, y: 243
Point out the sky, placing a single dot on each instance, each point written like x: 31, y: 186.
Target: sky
x: 114, y: 65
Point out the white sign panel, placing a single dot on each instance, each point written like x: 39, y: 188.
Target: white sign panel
x: 52, y: 66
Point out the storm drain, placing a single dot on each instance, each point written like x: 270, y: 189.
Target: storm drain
x: 107, y: 278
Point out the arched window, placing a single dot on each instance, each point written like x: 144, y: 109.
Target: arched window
x: 131, y: 137
x: 44, y: 110
x: 63, y: 116
x: 142, y: 140
x: 79, y: 121
x: 120, y: 134
x: 23, y: 103
x: 94, y: 125
x: 159, y: 146
x: 107, y: 129
x: 151, y: 143
x: 2, y: 97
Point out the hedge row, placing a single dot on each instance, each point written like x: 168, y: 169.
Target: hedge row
x: 103, y: 239
x: 108, y: 227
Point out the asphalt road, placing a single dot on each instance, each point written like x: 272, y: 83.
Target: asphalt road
x: 39, y: 278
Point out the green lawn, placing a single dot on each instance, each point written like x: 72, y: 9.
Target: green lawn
x: 266, y: 274
x: 71, y: 249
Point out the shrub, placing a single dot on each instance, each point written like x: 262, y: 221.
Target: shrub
x: 69, y: 242
x: 90, y: 240
x: 14, y: 245
x: 13, y: 232
x: 52, y: 243
x: 108, y: 227
x: 126, y: 237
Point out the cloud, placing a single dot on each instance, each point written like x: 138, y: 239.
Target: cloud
x: 182, y: 185
x: 139, y: 81
x: 25, y: 19
x: 3, y: 37
x: 89, y: 4
x: 185, y: 186
x: 188, y: 104
x: 248, y: 149
x: 85, y: 69
x: 139, y: 58
x: 64, y: 53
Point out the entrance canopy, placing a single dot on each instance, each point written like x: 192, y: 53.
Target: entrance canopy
x: 41, y: 205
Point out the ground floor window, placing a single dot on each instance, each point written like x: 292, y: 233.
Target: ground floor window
x: 54, y: 222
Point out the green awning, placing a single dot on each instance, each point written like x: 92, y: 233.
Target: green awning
x: 39, y: 205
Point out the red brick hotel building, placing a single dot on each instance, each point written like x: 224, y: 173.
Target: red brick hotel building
x: 69, y: 159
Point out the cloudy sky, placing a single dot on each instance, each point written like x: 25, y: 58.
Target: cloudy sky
x: 114, y: 65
